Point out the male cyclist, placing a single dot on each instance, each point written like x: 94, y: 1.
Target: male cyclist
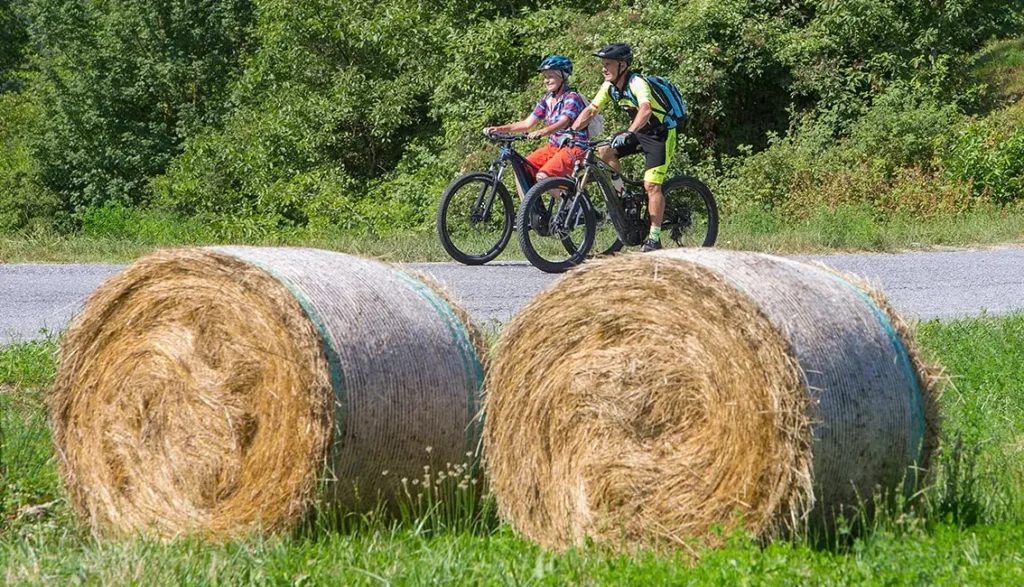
x: 558, y: 108
x: 651, y: 132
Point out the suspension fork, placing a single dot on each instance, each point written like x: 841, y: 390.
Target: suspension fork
x: 497, y: 172
x: 569, y: 208
x: 594, y: 170
x: 616, y: 211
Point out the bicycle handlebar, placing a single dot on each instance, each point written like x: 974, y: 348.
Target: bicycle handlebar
x: 590, y: 144
x: 500, y: 137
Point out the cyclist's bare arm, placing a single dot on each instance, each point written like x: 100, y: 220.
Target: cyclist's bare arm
x: 561, y: 124
x: 585, y: 117
x: 521, y: 126
x: 643, y: 114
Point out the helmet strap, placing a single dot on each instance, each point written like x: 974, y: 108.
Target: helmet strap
x: 565, y: 82
x: 622, y: 73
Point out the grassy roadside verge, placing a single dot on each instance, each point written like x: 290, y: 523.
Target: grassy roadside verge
x: 970, y: 532
x: 846, y: 229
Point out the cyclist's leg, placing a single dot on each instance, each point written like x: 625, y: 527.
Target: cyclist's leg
x: 657, y: 157
x: 611, y: 156
x: 539, y: 158
x: 534, y: 161
x: 561, y: 164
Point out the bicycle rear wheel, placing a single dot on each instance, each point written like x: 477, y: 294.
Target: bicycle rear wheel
x: 691, y: 213
x: 555, y: 225
x: 471, y: 232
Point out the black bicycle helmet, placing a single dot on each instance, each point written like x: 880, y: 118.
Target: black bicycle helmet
x: 557, y: 63
x: 616, y: 51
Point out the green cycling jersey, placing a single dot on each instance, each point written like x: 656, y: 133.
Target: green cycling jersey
x: 639, y: 92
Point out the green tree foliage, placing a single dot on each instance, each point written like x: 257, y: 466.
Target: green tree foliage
x: 121, y: 82
x: 356, y: 113
x: 852, y: 49
x: 23, y: 201
x: 340, y: 92
x: 13, y: 41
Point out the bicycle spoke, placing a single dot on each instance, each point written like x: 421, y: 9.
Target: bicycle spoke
x: 554, y: 224
x: 687, y: 218
x: 474, y: 222
x: 606, y: 240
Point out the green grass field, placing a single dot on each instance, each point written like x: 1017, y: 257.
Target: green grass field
x: 967, y: 529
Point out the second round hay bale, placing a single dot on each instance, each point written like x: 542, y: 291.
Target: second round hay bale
x: 649, y: 399
x: 221, y: 391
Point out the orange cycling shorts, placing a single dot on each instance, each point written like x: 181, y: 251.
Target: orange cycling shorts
x: 553, y: 161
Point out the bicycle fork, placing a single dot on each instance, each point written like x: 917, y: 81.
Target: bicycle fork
x: 616, y: 213
x: 483, y: 214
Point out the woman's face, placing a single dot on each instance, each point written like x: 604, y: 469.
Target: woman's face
x: 552, y: 80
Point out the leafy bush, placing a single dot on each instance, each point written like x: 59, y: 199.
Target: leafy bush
x: 905, y: 127
x: 892, y: 158
x: 115, y: 221
x: 22, y: 200
x: 988, y: 164
x: 851, y: 49
x: 121, y: 83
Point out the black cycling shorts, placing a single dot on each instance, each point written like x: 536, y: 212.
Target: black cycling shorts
x: 657, y: 149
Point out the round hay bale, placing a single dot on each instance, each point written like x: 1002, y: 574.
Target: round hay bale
x: 648, y: 399
x: 220, y: 391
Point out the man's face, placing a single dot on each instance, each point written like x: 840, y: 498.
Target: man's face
x: 611, y: 69
x: 552, y: 80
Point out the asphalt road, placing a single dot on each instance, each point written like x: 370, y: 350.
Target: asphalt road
x: 923, y: 285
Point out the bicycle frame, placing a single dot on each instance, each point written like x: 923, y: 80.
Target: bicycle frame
x: 595, y: 169
x: 508, y: 156
x: 523, y: 178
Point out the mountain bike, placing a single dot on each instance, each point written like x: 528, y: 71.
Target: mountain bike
x: 475, y: 215
x: 559, y: 223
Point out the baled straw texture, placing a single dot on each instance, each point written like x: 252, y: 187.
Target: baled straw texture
x: 931, y: 376
x: 647, y: 399
x: 221, y: 391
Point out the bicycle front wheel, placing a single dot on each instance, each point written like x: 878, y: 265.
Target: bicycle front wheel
x: 555, y: 225
x: 691, y: 213
x: 606, y: 239
x: 474, y: 219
